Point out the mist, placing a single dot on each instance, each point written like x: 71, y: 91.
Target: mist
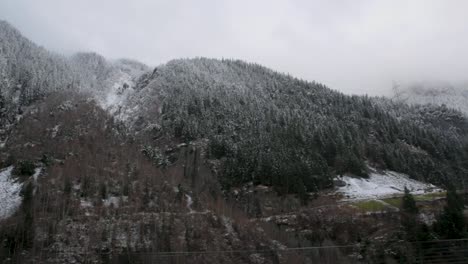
x: 357, y: 47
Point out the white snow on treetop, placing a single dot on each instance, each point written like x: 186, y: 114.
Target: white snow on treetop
x: 382, y: 184
x: 10, y: 198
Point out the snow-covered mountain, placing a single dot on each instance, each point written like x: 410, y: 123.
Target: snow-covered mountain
x: 29, y: 72
x: 264, y: 125
x: 105, y: 161
x: 436, y: 93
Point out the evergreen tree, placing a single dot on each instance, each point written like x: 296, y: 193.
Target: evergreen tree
x: 451, y: 223
x: 408, y: 215
x: 408, y: 203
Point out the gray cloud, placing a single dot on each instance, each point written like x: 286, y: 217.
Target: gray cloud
x: 353, y: 46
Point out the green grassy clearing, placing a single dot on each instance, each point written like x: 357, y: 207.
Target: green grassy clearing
x: 395, y: 201
x: 370, y: 206
x: 430, y: 196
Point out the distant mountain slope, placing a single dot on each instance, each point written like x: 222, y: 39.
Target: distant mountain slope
x: 437, y: 93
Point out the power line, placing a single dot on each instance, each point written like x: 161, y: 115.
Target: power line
x: 214, y: 252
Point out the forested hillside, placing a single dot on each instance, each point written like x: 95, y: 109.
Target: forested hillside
x: 29, y: 72
x: 274, y: 129
x: 265, y: 127
x: 212, y: 161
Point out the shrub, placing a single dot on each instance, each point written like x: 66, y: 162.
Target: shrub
x: 24, y: 168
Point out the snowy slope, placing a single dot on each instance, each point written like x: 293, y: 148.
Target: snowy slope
x: 382, y: 184
x: 10, y: 198
x: 119, y: 86
x: 114, y: 96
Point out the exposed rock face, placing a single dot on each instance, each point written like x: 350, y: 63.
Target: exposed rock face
x: 339, y: 183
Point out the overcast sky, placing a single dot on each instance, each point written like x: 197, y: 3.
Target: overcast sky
x: 353, y: 46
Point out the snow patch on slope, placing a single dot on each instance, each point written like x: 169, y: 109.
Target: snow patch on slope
x: 119, y: 87
x: 382, y: 184
x: 10, y: 189
x: 37, y: 172
x: 189, y: 203
x: 114, y: 98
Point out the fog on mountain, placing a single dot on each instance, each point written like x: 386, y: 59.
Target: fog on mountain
x: 220, y: 161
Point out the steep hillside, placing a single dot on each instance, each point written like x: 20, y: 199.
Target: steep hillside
x: 99, y: 197
x: 262, y: 126
x: 272, y: 129
x: 29, y: 73
x: 206, y: 161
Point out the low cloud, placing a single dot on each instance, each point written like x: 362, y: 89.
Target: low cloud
x: 352, y: 46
